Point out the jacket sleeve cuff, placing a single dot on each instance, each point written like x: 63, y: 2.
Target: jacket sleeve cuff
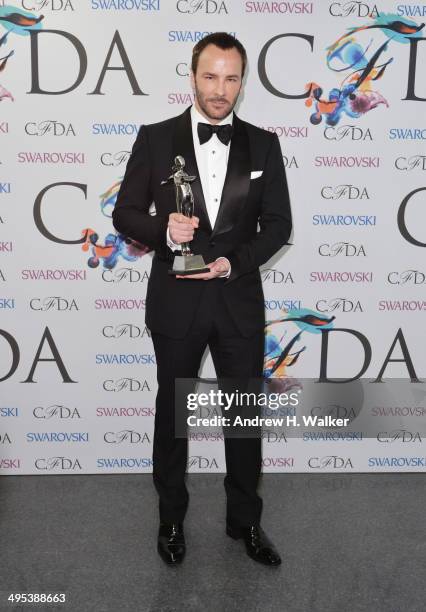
x: 172, y: 245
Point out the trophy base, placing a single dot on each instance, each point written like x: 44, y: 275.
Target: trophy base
x: 191, y: 264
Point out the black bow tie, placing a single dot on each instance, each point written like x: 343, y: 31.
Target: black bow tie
x: 223, y: 132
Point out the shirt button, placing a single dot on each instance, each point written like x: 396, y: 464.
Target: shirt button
x: 214, y: 175
x: 213, y: 152
x: 215, y: 199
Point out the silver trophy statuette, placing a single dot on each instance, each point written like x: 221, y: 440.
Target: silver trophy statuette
x: 187, y: 263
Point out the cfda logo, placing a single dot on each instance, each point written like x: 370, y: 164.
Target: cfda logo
x: 360, y: 55
x: 208, y: 7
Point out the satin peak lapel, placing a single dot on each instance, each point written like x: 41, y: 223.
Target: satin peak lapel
x: 184, y: 145
x: 237, y: 180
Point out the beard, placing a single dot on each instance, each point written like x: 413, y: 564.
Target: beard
x: 215, y: 114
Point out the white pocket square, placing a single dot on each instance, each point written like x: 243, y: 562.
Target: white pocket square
x: 255, y: 174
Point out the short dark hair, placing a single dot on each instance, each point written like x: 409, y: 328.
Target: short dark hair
x: 223, y: 40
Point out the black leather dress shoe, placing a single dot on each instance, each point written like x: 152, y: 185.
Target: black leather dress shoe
x: 171, y: 543
x: 258, y: 545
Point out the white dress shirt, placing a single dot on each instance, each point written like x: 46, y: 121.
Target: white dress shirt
x: 212, y: 161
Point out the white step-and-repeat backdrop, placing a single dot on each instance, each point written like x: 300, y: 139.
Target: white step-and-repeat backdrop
x: 342, y: 84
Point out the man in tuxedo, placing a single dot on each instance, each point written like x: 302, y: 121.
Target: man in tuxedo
x: 242, y: 217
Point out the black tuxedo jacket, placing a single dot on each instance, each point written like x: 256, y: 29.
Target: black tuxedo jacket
x: 253, y: 222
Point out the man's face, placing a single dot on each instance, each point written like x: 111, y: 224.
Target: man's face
x: 217, y: 82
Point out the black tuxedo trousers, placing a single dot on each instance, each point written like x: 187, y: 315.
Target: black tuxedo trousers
x: 234, y: 356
